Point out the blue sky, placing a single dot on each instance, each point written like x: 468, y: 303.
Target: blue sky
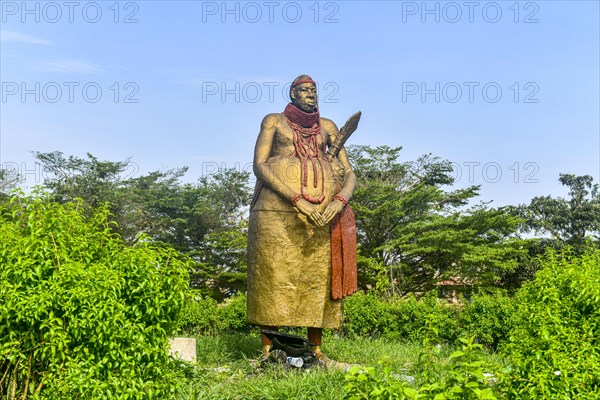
x: 507, y: 91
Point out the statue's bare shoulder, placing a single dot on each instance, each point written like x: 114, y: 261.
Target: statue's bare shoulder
x: 273, y: 120
x: 327, y: 124
x: 330, y: 127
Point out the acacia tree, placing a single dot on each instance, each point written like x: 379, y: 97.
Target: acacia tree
x: 412, y: 233
x: 205, y: 219
x: 572, y: 221
x: 8, y: 181
x: 90, y: 179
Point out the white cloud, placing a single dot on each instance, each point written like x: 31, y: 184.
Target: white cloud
x: 69, y: 66
x: 197, y: 77
x: 17, y: 37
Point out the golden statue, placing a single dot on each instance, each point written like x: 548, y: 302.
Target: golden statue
x: 302, y: 236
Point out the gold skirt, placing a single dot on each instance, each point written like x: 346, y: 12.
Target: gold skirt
x: 289, y: 272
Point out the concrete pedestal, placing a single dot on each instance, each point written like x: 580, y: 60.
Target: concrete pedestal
x: 183, y: 348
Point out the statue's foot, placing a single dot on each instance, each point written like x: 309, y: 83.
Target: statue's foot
x: 278, y: 356
x: 265, y: 354
x: 329, y: 363
x: 262, y: 359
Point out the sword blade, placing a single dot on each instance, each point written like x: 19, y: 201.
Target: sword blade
x: 346, y: 131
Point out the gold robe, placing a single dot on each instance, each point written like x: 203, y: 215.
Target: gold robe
x: 289, y: 259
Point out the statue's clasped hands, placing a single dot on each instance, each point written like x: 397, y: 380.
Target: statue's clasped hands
x: 316, y: 217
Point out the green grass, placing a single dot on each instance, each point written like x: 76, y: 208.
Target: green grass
x: 226, y: 368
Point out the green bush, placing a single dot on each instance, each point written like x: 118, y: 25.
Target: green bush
x: 83, y: 316
x: 203, y: 316
x: 462, y: 375
x: 555, y: 344
x: 365, y: 314
x: 199, y: 315
x: 233, y: 316
x: 488, y: 318
x: 404, y: 319
x: 367, y: 383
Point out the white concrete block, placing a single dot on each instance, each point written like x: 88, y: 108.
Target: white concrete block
x: 183, y: 348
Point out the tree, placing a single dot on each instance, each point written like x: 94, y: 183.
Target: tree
x: 8, y: 181
x: 95, y: 182
x: 90, y: 179
x: 205, y: 219
x: 416, y: 233
x: 571, y: 221
x: 208, y: 220
x: 222, y: 267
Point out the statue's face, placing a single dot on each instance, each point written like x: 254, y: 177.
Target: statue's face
x: 304, y: 96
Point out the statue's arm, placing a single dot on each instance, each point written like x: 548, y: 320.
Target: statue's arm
x: 262, y: 152
x: 264, y: 172
x: 350, y: 181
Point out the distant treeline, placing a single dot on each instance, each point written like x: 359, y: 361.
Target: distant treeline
x: 414, y: 229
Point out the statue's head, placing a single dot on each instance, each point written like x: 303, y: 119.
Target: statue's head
x: 303, y: 93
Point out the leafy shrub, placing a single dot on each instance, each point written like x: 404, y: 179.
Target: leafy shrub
x: 199, y: 315
x: 367, y: 314
x: 488, y: 318
x: 233, y: 315
x: 460, y: 376
x: 406, y: 319
x: 83, y: 316
x: 202, y: 315
x: 365, y: 383
x: 555, y: 343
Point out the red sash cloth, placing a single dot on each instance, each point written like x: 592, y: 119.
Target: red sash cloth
x: 344, y: 273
